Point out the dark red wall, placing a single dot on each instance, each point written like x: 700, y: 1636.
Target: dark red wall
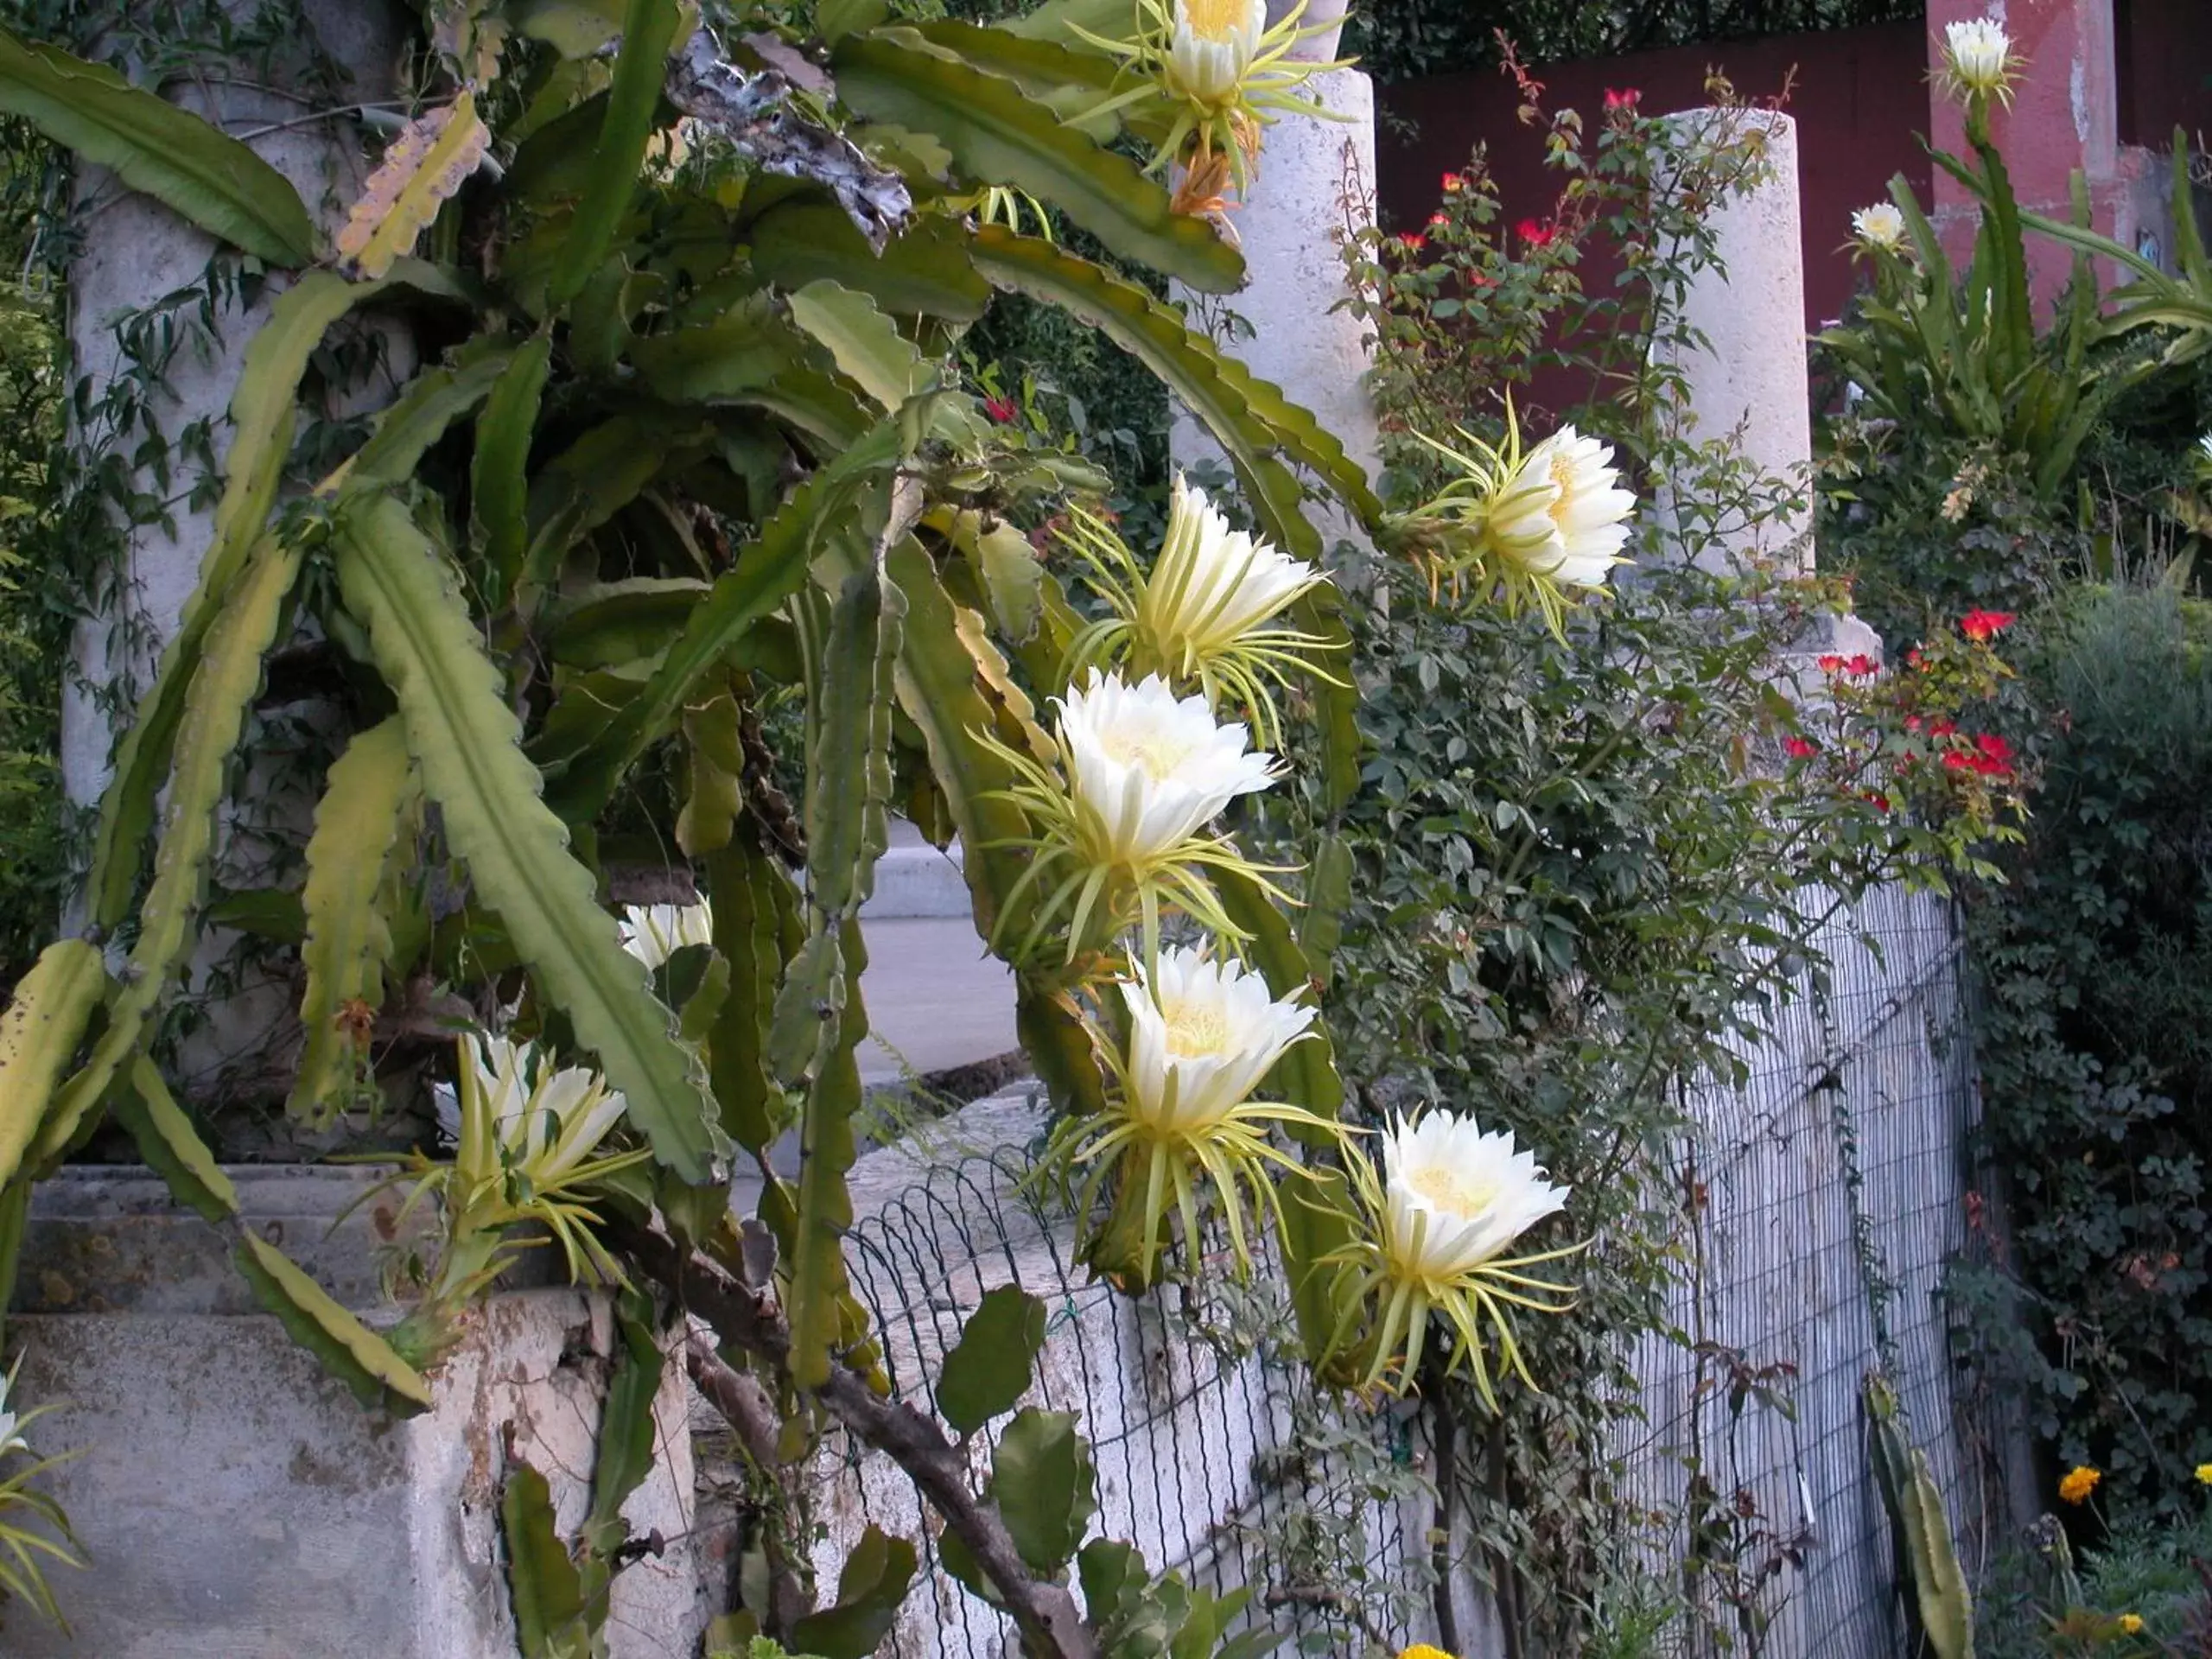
x: 1861, y: 102
x: 2164, y: 50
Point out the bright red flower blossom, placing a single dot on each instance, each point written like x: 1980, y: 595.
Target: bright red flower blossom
x: 1985, y: 624
x: 1942, y: 729
x: 1453, y: 184
x: 1799, y: 748
x: 1624, y: 99
x: 1534, y: 234
x: 1955, y: 761
x: 1878, y: 800
x: 1993, y: 747
x: 1831, y: 664
x: 1861, y: 665
x: 1414, y: 243
x: 1437, y: 221
x: 1002, y: 410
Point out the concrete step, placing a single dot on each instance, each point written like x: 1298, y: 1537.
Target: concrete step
x: 914, y: 878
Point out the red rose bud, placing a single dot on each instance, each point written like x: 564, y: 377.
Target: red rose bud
x: 1800, y: 748
x: 1624, y: 99
x: 1985, y: 624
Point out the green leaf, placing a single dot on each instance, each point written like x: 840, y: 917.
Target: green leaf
x: 186, y: 163
x: 418, y: 417
x: 989, y: 1369
x: 1072, y: 82
x: 549, y: 1593
x: 1328, y: 890
x: 868, y: 350
x: 936, y: 682
x: 629, y: 1432
x: 1249, y: 417
x: 745, y: 348
x: 848, y: 774
x: 924, y: 270
x: 1109, y: 1570
x: 648, y: 31
x: 1109, y: 20
x: 620, y: 621
x: 171, y: 1147
x: 593, y: 479
x: 826, y: 1152
x: 351, y: 1352
x: 464, y: 737
x: 751, y: 898
x: 767, y: 572
x: 348, y: 939
x: 1045, y: 1487
x: 498, y: 480
x: 39, y: 1035
x: 211, y: 721
x: 999, y: 136
x: 262, y: 420
x: 870, y: 1586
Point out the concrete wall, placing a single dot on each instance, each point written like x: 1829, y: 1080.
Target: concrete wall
x: 237, y: 1503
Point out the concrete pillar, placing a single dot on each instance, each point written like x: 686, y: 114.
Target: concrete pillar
x: 1749, y: 382
x: 135, y: 251
x: 234, y: 1500
x: 1309, y: 171
x: 2064, y: 116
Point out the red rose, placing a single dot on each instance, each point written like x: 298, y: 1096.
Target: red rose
x: 1437, y: 221
x: 1861, y: 665
x: 1878, y: 801
x: 1624, y: 99
x: 1800, y: 748
x: 1831, y: 664
x: 1943, y: 728
x: 1535, y: 235
x: 1453, y: 184
x: 1954, y: 762
x: 1002, y: 410
x: 1414, y: 242
x: 1993, y: 747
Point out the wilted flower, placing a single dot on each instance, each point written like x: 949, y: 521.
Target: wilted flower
x: 1978, y: 60
x: 1879, y: 227
x: 653, y: 933
x: 1142, y: 772
x: 2078, y: 1483
x: 1201, y: 615
x: 1202, y: 1034
x: 1449, y: 1203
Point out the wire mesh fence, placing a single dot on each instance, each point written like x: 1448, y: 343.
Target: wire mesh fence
x: 1825, y: 1194
x: 1205, y: 1443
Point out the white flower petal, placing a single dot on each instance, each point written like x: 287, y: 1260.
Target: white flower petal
x: 1151, y: 769
x: 653, y: 933
x: 1203, y: 1033
x: 1455, y: 1197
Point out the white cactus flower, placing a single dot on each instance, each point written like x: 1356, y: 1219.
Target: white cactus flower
x: 1211, y: 585
x: 1978, y: 59
x: 653, y: 933
x: 1455, y: 1197
x: 1212, y: 47
x: 11, y: 1437
x: 1562, y: 513
x: 1202, y: 1035
x: 1147, y: 769
x: 517, y: 1112
x: 1879, y: 227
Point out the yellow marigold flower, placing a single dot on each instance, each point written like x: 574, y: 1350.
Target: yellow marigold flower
x: 2130, y: 1623
x: 2204, y: 1474
x: 2081, y: 1480
x: 1422, y: 1650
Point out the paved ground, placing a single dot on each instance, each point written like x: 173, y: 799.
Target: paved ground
x: 935, y: 1000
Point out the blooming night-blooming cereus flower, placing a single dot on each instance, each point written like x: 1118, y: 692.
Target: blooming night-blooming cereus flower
x: 1449, y: 1203
x: 653, y: 933
x: 1200, y: 616
x: 1212, y: 47
x: 1219, y: 74
x: 1536, y: 522
x: 1202, y: 1034
x: 1880, y: 227
x: 1978, y: 60
x: 1121, y: 822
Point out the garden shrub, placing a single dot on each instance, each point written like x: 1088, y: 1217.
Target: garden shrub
x: 2095, y: 963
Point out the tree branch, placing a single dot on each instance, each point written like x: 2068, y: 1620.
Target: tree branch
x: 745, y: 1405
x: 753, y: 113
x: 1045, y: 1613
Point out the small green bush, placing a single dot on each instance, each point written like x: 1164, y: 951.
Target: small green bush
x: 2095, y: 964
